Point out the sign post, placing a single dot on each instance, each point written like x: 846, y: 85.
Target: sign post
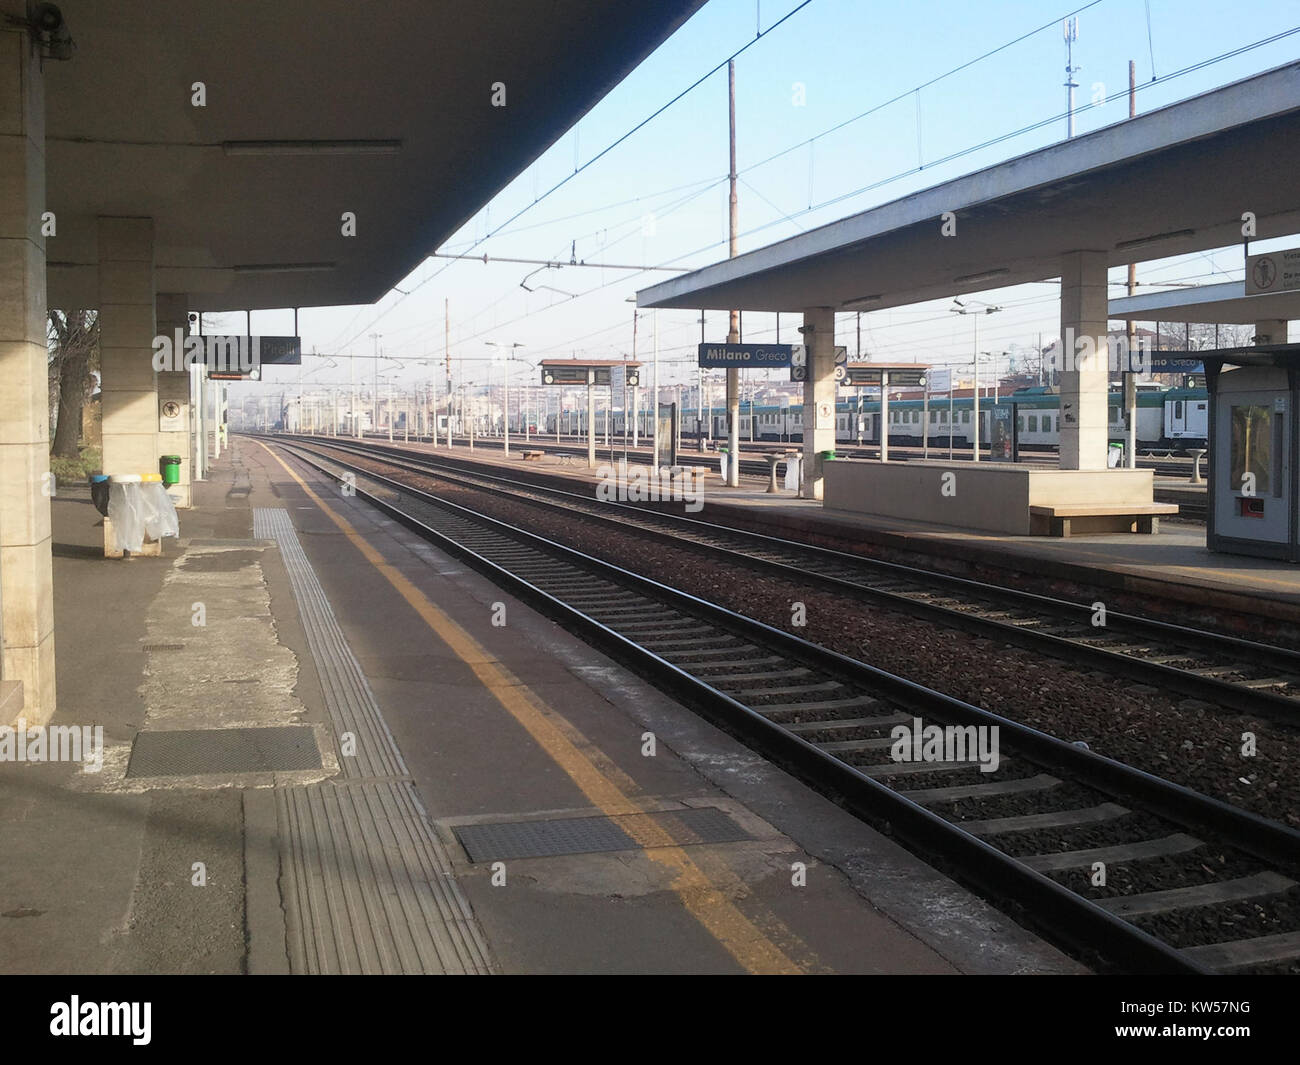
x: 591, y: 419
x: 884, y: 416
x: 940, y: 381
x: 864, y: 374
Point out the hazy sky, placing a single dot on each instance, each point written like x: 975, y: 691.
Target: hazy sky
x: 660, y: 198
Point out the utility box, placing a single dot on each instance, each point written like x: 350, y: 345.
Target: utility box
x: 1254, y: 455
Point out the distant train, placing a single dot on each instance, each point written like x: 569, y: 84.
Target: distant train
x: 1167, y: 419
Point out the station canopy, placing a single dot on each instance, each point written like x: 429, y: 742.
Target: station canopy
x: 313, y: 108
x: 1171, y: 181
x: 1224, y: 304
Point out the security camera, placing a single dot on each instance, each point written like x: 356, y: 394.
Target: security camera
x: 807, y: 329
x: 47, y: 18
x: 47, y: 21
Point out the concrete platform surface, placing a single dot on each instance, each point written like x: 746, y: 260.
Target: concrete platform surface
x: 346, y: 720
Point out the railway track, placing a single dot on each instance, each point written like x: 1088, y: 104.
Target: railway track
x: 1241, y: 675
x: 1032, y: 825
x: 1170, y: 466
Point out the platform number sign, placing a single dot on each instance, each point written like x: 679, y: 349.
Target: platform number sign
x: 799, y: 362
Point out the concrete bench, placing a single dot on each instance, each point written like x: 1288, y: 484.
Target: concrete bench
x: 1064, y: 520
x: 530, y: 455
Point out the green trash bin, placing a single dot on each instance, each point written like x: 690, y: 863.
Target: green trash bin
x: 827, y: 456
x: 170, y: 468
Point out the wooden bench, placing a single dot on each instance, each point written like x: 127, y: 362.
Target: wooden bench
x: 1062, y: 520
x: 530, y: 455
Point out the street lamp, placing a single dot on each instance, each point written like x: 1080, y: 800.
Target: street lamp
x: 985, y: 308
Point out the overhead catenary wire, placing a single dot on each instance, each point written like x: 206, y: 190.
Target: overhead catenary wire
x: 790, y: 218
x: 614, y: 144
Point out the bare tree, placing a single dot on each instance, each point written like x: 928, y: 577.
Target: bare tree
x: 73, y: 338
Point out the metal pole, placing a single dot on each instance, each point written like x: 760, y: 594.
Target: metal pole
x: 375, y: 421
x: 925, y: 420
x: 1130, y: 378
x: 884, y: 415
x: 591, y: 420
x: 654, y: 405
x: 733, y: 332
x: 975, y: 416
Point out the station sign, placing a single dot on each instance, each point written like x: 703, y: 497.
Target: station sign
x: 262, y: 351
x: 573, y: 375
x: 866, y: 376
x: 1273, y: 271
x: 1157, y: 363
x: 600, y: 376
x: 744, y: 356
x: 280, y: 351
x: 799, y: 362
x: 940, y: 380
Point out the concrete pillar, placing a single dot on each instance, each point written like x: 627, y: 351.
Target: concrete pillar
x: 1271, y: 331
x: 818, y: 397
x: 126, y: 333
x: 1084, y: 382
x: 26, y: 574
x: 171, y: 312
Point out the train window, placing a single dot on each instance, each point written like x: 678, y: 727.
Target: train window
x: 916, y: 417
x: 1020, y: 423
x: 1114, y: 415
x: 1033, y: 423
x: 965, y: 417
x: 1178, y: 408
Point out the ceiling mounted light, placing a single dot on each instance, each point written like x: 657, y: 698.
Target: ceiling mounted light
x: 1155, y: 238
x: 862, y: 301
x: 314, y: 147
x: 282, y: 268
x: 987, y: 275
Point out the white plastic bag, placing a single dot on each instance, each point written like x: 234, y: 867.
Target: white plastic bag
x: 126, y: 512
x: 159, y: 511
x: 792, y: 473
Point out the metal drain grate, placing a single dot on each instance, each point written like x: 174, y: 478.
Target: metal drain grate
x: 223, y: 750
x: 588, y: 835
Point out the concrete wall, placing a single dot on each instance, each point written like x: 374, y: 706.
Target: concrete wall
x: 988, y: 497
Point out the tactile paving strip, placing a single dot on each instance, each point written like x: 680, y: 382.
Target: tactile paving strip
x: 367, y: 885
x: 588, y: 835
x: 193, y: 752
x: 351, y: 702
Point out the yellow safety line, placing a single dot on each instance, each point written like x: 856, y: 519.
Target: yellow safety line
x: 711, y: 907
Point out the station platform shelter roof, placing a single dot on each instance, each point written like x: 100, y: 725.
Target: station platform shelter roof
x: 1224, y: 304
x: 1171, y: 181
x: 312, y: 108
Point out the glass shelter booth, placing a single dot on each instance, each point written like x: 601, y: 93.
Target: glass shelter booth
x: 1254, y: 456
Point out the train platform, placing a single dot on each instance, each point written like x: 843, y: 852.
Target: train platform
x: 1173, y: 564
x: 328, y: 747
